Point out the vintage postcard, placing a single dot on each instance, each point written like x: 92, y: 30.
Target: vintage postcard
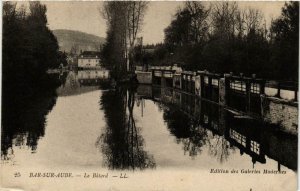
x: 149, y: 95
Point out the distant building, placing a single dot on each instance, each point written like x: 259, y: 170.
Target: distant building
x: 89, y: 59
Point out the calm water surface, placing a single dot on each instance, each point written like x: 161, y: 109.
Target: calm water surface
x: 85, y: 125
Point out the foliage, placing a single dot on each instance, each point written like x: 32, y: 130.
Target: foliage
x: 124, y: 21
x: 224, y: 38
x: 29, y: 47
x: 285, y: 42
x: 121, y: 141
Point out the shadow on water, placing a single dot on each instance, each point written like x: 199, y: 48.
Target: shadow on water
x: 27, y: 101
x: 186, y: 130
x: 200, y: 126
x: 197, y: 123
x: 24, y: 110
x: 121, y: 142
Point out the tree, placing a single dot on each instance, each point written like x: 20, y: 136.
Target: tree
x: 124, y: 21
x: 74, y: 49
x: 199, y: 21
x: 285, y: 42
x: 187, y: 34
x: 224, y: 19
x: 121, y: 141
x: 29, y: 47
x: 114, y: 50
x: 177, y: 33
x: 135, y: 15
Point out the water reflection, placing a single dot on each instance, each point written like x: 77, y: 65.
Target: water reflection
x: 175, y: 129
x: 83, y: 81
x: 186, y: 130
x: 24, y: 115
x: 200, y: 123
x: 121, y: 143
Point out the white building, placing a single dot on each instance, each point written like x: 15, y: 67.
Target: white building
x: 93, y: 74
x: 89, y: 59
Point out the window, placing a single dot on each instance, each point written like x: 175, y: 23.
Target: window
x: 214, y: 125
x: 205, y: 117
x: 255, y: 147
x: 157, y: 73
x: 238, y: 137
x: 205, y: 79
x: 238, y: 85
x: 215, y: 82
x: 255, y: 88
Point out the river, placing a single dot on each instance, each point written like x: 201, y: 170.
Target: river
x: 153, y: 135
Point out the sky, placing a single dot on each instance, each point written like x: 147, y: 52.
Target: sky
x: 85, y: 16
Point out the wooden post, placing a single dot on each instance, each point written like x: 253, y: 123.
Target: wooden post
x: 153, y: 76
x: 173, y: 84
x: 248, y: 95
x: 197, y: 85
x: 182, y: 82
x: 278, y: 90
x: 162, y: 79
x: 222, y: 92
x: 295, y: 86
x: 190, y: 83
x: 186, y: 84
x: 262, y: 87
x: 210, y: 89
x: 201, y: 85
x: 227, y: 89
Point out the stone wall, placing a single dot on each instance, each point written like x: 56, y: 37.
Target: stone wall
x: 280, y: 112
x: 198, y: 86
x: 144, y: 77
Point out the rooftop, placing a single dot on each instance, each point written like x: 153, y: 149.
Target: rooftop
x: 90, y: 54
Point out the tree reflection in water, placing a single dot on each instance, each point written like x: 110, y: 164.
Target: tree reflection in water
x: 186, y: 130
x: 24, y: 111
x: 219, y: 148
x: 214, y: 119
x: 121, y: 143
x: 194, y: 123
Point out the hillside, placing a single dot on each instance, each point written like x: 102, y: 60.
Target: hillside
x: 78, y: 40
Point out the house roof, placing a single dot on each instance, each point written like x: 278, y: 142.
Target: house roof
x: 90, y: 54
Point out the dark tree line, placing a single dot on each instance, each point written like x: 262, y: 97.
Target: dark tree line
x: 23, y: 121
x: 285, y: 41
x: 223, y: 38
x: 29, y: 47
x: 28, y: 93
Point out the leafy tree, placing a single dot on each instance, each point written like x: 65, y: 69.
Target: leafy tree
x: 29, y: 47
x: 285, y: 42
x: 234, y: 40
x: 124, y: 21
